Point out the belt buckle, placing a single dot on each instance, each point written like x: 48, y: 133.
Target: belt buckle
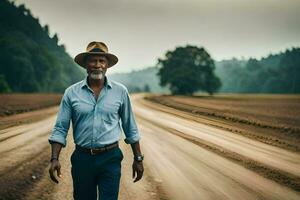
x: 92, y: 153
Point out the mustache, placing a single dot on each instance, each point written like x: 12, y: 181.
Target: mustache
x: 96, y: 71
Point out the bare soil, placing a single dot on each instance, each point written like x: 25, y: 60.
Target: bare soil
x: 177, y: 165
x: 272, y: 119
x: 19, y: 103
x: 25, y: 153
x: 183, y: 128
x: 178, y: 145
x: 40, y: 106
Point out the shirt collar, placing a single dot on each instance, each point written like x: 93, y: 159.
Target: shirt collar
x: 107, y: 82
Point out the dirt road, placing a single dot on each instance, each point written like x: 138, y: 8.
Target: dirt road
x: 181, y: 162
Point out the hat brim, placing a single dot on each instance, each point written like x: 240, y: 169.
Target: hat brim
x: 112, y: 59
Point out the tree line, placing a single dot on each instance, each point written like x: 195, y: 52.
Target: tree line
x: 276, y: 73
x: 30, y: 59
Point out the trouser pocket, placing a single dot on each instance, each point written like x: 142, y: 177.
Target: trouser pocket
x: 121, y: 156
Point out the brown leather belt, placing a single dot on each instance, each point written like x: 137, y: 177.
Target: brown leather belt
x: 98, y: 150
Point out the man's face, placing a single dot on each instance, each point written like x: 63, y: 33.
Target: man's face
x: 96, y: 66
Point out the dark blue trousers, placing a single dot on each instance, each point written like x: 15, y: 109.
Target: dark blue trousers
x: 100, y: 172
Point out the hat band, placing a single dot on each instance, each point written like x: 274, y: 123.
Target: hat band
x: 97, y: 50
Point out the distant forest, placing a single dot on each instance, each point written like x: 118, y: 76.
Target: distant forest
x: 31, y: 60
x: 145, y: 80
x: 278, y: 73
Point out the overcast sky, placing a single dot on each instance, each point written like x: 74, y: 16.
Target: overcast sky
x: 139, y: 32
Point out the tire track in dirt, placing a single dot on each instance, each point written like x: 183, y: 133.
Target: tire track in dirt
x: 25, y: 162
x: 20, y: 179
x: 267, y: 154
x: 188, y: 171
x: 145, y: 189
x: 150, y: 187
x: 263, y: 134
x: 205, y: 108
x: 24, y: 146
x: 24, y: 157
x: 280, y: 176
x: 25, y: 118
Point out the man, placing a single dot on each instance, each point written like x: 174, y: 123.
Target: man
x: 98, y: 108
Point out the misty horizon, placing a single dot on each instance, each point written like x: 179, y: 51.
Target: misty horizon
x: 141, y: 32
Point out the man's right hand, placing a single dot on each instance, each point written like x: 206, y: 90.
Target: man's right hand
x: 55, y: 166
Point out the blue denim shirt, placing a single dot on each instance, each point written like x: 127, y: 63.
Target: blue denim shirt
x: 95, y: 123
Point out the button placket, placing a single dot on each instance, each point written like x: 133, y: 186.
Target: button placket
x: 91, y: 96
x: 96, y: 124
x: 94, y: 128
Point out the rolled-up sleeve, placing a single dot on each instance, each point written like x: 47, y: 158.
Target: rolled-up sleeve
x: 128, y: 122
x: 61, y: 127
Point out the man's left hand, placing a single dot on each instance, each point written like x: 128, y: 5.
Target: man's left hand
x: 137, y: 170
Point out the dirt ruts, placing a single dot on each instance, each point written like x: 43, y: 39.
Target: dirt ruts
x: 19, y: 180
x: 269, y: 133
x: 277, y: 175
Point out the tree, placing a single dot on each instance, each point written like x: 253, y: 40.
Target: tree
x: 55, y: 38
x: 46, y: 29
x: 289, y: 70
x: 187, y: 70
x: 253, y: 65
x: 4, y: 87
x: 146, y: 88
x: 31, y: 60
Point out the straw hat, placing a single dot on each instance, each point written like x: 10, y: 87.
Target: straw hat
x: 96, y: 48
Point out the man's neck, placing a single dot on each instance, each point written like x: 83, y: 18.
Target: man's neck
x: 96, y: 83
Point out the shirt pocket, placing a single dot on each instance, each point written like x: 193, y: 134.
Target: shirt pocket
x: 82, y: 108
x: 110, y: 113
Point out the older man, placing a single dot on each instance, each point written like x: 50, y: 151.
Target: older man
x: 98, y: 108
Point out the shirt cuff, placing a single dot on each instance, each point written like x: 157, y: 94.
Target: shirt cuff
x: 59, y: 139
x: 132, y: 139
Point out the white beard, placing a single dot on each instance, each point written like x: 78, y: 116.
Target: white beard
x: 96, y: 75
